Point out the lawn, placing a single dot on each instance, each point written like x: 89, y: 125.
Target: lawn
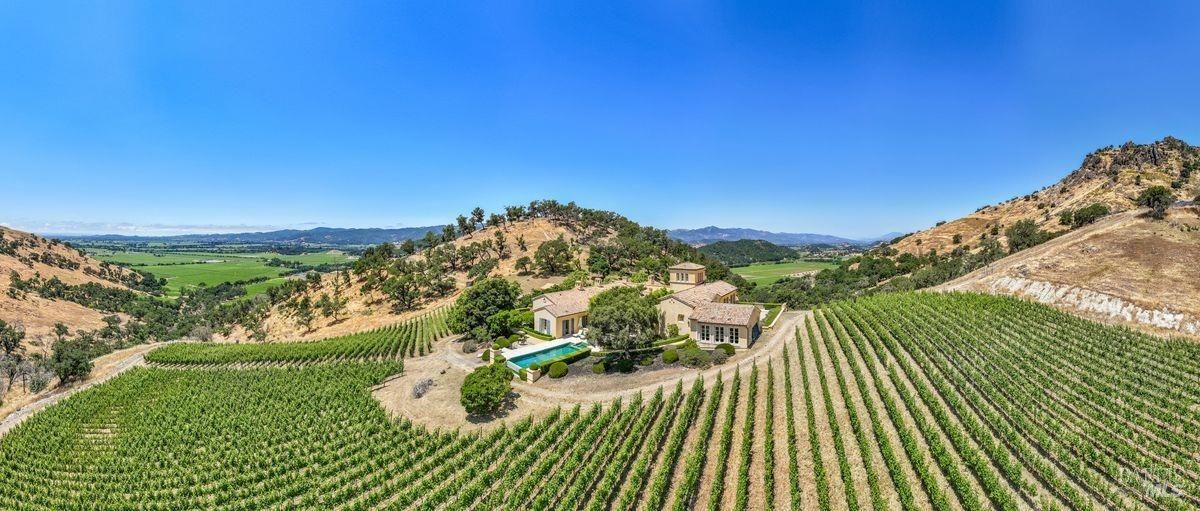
x: 185, y: 269
x: 767, y: 273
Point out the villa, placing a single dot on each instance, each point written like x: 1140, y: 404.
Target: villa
x: 707, y: 310
x: 562, y: 313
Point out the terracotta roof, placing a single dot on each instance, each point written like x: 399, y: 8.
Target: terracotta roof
x: 687, y: 266
x: 703, y: 293
x: 739, y: 314
x: 571, y: 301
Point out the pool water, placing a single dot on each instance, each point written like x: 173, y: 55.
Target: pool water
x: 528, y: 359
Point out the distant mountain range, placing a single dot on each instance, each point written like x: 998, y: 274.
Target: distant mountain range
x: 713, y: 234
x: 317, y: 236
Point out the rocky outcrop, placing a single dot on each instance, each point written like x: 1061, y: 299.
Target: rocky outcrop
x: 1095, y: 304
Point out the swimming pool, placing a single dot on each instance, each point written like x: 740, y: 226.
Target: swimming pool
x: 547, y: 353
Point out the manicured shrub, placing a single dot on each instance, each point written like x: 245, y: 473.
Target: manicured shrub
x: 727, y: 348
x: 498, y: 358
x: 535, y: 367
x: 598, y: 368
x: 670, y: 356
x: 558, y: 370
x: 487, y: 355
x: 719, y: 357
x: 524, y: 374
x: 695, y: 357
x: 646, y: 360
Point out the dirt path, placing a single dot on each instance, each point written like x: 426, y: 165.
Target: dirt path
x: 103, y: 369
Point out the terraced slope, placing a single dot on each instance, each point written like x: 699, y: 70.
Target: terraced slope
x: 917, y: 401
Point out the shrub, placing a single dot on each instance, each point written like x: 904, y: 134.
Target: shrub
x: 1089, y: 214
x: 727, y: 348
x: 598, y: 368
x: 470, y: 346
x: 558, y: 370
x: 487, y: 355
x: 719, y: 357
x: 670, y: 356
x: 499, y: 359
x: 485, y: 389
x: 672, y: 330
x: 695, y: 357
x: 646, y: 360
x: 535, y: 367
x: 524, y: 374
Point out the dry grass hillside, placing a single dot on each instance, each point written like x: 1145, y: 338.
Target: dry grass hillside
x: 368, y: 311
x: 1125, y: 268
x: 1113, y: 176
x: 28, y: 255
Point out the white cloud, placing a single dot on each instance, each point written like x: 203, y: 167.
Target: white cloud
x: 153, y: 229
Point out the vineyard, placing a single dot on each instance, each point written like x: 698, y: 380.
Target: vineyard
x: 411, y: 338
x: 912, y: 401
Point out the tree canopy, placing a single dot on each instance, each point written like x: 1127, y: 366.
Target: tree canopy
x: 1158, y: 199
x: 485, y: 389
x: 621, y: 319
x: 480, y: 301
x: 554, y: 257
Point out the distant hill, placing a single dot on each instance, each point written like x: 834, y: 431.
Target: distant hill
x: 744, y: 252
x: 713, y: 234
x: 317, y: 236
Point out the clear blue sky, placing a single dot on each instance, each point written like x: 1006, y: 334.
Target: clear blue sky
x: 851, y: 118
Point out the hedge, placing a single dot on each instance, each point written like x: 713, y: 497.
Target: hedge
x: 536, y: 334
x: 558, y: 369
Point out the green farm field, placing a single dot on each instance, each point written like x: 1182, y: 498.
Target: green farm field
x: 185, y: 269
x: 767, y: 273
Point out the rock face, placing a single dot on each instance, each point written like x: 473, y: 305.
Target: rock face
x: 1112, y: 176
x: 1094, y: 303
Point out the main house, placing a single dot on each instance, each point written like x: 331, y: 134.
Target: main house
x: 707, y: 310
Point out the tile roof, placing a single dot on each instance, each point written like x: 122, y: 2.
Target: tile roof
x: 571, y: 301
x: 703, y: 293
x: 739, y: 314
x: 687, y: 266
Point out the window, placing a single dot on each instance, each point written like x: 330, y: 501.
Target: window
x: 704, y: 333
x: 733, y: 335
x: 544, y: 325
x: 567, y: 327
x: 679, y: 317
x: 720, y: 334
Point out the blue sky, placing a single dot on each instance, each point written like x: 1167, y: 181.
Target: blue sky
x: 850, y: 118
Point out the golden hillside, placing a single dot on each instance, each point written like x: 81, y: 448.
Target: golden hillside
x: 370, y: 310
x: 28, y: 255
x: 1113, y: 176
x: 1126, y: 268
